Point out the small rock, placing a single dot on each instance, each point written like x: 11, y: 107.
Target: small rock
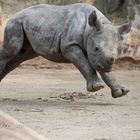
x: 39, y: 98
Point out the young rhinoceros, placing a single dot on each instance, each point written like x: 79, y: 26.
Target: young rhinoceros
x: 77, y: 33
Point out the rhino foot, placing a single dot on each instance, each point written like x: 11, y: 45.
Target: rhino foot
x: 93, y: 86
x: 121, y: 91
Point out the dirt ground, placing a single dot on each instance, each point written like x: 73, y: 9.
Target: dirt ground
x: 54, y: 102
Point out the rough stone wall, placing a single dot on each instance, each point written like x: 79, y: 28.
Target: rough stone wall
x: 131, y: 44
x: 131, y: 41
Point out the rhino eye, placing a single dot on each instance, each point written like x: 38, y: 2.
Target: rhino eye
x: 96, y: 49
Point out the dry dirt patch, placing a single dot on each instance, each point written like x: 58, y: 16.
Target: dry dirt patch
x: 54, y: 102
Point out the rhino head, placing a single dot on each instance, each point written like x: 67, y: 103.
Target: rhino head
x: 102, y: 43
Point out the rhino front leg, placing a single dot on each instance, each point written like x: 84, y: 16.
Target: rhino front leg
x: 116, y: 89
x: 76, y: 56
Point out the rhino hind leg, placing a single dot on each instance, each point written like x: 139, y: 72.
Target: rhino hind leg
x: 25, y: 53
x: 22, y: 56
x: 12, y: 44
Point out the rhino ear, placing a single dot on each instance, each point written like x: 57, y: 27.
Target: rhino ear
x: 92, y: 19
x: 124, y: 28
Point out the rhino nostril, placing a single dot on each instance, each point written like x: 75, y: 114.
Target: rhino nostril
x: 96, y: 48
x: 99, y: 67
x: 112, y: 59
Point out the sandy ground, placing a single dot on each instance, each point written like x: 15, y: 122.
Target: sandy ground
x: 55, y: 103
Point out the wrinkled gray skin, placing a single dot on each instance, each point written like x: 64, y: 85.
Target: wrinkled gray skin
x: 78, y: 34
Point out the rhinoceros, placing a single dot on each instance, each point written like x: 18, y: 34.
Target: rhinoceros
x: 76, y: 33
